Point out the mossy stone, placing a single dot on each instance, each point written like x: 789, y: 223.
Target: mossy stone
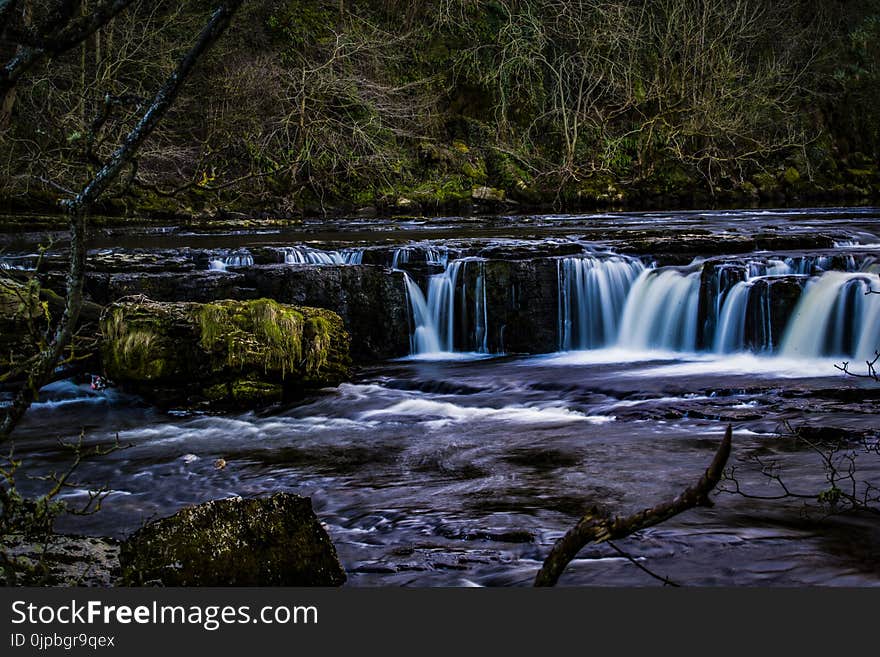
x: 235, y: 353
x: 271, y: 541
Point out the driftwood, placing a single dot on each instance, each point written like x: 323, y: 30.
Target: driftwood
x: 596, y: 527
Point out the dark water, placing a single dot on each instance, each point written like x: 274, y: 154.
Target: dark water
x: 464, y: 472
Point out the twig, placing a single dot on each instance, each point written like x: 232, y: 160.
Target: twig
x: 666, y: 581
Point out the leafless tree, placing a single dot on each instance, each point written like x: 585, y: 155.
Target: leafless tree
x: 78, y: 206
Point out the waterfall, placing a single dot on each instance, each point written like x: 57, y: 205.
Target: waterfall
x: 835, y: 317
x: 352, y: 256
x: 238, y: 259
x: 592, y: 295
x: 429, y: 254
x: 481, y: 312
x: 424, y: 338
x: 730, y: 333
x: 435, y: 318
x: 306, y: 255
x: 612, y: 300
x: 661, y: 311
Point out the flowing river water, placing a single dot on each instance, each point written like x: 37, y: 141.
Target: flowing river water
x: 461, y: 462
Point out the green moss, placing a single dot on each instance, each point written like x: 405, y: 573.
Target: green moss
x: 135, y: 350
x: 238, y: 353
x: 245, y: 392
x: 765, y: 182
x: 791, y: 176
x: 475, y: 171
x: 245, y: 333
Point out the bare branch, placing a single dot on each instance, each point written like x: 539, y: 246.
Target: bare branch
x: 596, y: 527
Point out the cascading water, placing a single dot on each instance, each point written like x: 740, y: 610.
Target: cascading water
x: 836, y: 316
x: 436, y: 317
x: 730, y: 334
x: 238, y: 259
x: 745, y: 305
x: 592, y: 295
x: 661, y: 311
x: 304, y: 255
x: 430, y: 254
x: 424, y: 338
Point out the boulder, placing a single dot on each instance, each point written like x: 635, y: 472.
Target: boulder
x: 271, y: 541
x: 227, y: 353
x: 487, y: 194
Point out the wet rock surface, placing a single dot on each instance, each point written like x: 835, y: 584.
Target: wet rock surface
x: 370, y: 299
x: 71, y: 560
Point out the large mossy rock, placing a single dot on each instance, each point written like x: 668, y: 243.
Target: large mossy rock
x: 227, y: 353
x: 20, y: 314
x: 273, y: 541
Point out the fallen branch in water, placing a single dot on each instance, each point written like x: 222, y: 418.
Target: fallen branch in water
x: 596, y: 527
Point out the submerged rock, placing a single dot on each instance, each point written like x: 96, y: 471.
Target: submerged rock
x: 227, y: 353
x: 273, y: 541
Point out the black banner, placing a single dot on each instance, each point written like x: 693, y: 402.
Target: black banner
x: 259, y: 621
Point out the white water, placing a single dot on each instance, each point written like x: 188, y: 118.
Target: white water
x: 424, y: 338
x: 835, y: 317
x: 305, y: 255
x: 661, y: 311
x: 435, y: 316
x: 240, y: 259
x: 592, y: 295
x: 730, y: 333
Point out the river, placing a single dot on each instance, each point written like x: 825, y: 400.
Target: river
x: 460, y: 463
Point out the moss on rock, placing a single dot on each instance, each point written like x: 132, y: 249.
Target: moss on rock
x: 20, y: 312
x: 273, y: 541
x: 238, y: 353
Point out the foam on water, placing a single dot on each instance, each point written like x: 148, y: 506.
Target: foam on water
x: 423, y: 410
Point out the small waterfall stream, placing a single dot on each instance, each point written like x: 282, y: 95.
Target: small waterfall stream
x: 661, y: 311
x: 437, y: 317
x: 836, y: 316
x: 592, y: 295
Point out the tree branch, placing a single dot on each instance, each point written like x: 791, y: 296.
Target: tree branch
x: 79, y: 206
x: 596, y: 527
x: 57, y: 42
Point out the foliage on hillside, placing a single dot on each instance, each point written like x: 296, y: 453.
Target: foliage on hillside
x: 315, y: 105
